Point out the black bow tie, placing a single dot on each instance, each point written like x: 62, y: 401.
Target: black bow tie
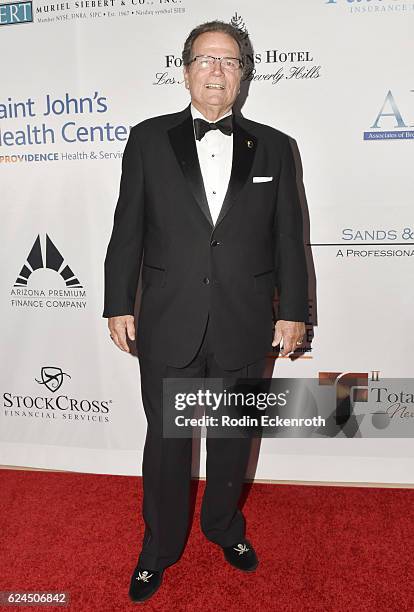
x: 225, y: 126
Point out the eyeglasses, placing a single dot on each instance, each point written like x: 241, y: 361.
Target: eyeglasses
x: 207, y: 61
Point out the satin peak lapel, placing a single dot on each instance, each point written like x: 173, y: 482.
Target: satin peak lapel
x: 244, y: 149
x: 183, y: 143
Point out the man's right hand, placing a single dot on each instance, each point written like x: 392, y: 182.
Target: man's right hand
x: 119, y: 327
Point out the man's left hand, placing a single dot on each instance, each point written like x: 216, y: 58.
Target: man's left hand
x: 290, y: 335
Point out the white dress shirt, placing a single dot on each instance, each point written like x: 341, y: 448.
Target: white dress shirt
x: 215, y: 154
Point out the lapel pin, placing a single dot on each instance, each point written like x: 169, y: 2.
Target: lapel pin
x: 249, y: 144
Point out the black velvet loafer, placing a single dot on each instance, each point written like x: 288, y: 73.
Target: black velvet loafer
x: 242, y: 556
x: 144, y: 583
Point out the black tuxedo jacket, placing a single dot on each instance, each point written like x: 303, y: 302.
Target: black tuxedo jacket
x: 192, y: 269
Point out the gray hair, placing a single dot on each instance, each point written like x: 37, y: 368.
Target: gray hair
x: 212, y: 26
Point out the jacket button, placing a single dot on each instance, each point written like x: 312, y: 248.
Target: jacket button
x: 214, y: 243
x: 206, y: 280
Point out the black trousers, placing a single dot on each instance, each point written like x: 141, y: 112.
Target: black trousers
x: 166, y: 467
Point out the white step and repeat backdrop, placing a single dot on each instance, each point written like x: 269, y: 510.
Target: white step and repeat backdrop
x: 336, y: 75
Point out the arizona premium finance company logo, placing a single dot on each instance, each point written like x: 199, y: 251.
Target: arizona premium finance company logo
x: 46, y: 280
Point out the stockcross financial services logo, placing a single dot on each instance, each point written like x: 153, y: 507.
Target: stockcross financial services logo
x: 12, y: 13
x: 51, y: 377
x: 34, y: 403
x: 46, y: 280
x: 391, y: 122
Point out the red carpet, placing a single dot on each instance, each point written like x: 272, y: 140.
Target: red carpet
x: 321, y: 548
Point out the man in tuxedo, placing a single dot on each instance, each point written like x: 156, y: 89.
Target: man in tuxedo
x: 208, y: 204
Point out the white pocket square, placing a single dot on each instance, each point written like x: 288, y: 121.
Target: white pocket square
x: 262, y: 179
